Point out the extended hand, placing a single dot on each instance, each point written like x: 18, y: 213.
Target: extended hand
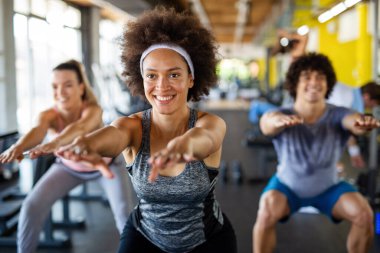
x: 80, y: 152
x: 174, y: 153
x: 11, y: 154
x: 283, y: 120
x: 367, y: 122
x: 43, y: 149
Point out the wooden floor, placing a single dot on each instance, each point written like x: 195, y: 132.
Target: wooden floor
x: 304, y: 232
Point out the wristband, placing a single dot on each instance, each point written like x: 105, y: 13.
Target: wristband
x: 354, y: 150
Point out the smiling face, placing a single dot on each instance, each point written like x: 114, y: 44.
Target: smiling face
x: 67, y: 90
x: 166, y: 80
x: 312, y: 86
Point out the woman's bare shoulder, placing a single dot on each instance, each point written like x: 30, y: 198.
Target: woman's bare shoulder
x: 205, y: 116
x: 48, y: 114
x: 131, y: 121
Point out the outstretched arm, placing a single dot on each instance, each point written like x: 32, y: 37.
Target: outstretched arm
x: 32, y: 138
x: 108, y: 141
x: 91, y: 118
x: 359, y: 124
x: 201, y: 142
x: 272, y: 123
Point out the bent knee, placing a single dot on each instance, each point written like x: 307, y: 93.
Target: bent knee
x: 31, y: 205
x: 273, y: 207
x: 363, y: 217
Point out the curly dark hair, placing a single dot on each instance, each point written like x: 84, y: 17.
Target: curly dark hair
x: 163, y: 25
x: 311, y: 61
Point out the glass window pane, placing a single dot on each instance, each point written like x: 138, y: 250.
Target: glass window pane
x: 41, y: 95
x: 40, y: 46
x: 64, y: 44
x: 38, y: 30
x: 21, y: 6
x: 23, y: 80
x: 109, y: 48
x: 72, y: 17
x: 55, y: 14
x: 73, y: 43
x: 39, y: 7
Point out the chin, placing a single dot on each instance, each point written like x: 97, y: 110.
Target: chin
x: 64, y: 106
x: 314, y: 100
x: 165, y: 111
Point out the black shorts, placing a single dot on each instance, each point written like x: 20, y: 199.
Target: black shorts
x: 132, y: 241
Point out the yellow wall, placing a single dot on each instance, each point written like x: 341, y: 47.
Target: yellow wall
x: 351, y: 60
x: 262, y: 69
x: 273, y: 72
x: 273, y: 78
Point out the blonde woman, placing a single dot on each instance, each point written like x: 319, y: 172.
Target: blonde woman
x: 74, y: 113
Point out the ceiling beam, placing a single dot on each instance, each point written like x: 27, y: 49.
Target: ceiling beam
x: 197, y: 7
x: 244, y: 8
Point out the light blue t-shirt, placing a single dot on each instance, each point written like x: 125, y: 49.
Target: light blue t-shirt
x: 308, y: 153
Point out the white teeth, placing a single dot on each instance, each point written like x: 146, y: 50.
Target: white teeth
x: 164, y: 98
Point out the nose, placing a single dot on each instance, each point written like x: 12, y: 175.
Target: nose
x: 60, y: 91
x: 162, y: 83
x: 314, y: 79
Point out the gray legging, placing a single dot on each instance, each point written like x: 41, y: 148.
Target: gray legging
x: 55, y: 184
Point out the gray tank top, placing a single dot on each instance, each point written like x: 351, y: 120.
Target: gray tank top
x: 174, y: 213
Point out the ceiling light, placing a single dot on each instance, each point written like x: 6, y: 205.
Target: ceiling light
x: 284, y: 42
x: 350, y: 3
x: 303, y: 30
x: 336, y: 10
x: 325, y: 16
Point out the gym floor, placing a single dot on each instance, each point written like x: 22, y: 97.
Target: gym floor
x: 304, y: 232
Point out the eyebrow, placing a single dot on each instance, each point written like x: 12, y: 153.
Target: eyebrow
x: 66, y: 82
x: 305, y: 72
x: 171, y: 69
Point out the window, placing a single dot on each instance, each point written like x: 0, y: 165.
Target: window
x: 46, y: 34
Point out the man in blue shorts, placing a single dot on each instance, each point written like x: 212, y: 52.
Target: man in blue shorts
x: 309, y: 137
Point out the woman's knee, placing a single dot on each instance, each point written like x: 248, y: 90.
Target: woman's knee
x: 31, y: 205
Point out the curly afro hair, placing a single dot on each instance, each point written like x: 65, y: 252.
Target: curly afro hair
x: 311, y: 61
x: 163, y: 25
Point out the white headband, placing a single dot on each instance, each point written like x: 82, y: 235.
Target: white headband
x: 173, y: 47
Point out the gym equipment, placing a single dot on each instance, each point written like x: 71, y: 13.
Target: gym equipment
x: 262, y: 144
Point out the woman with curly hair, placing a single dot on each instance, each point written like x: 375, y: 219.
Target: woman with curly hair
x: 309, y: 138
x: 172, y: 151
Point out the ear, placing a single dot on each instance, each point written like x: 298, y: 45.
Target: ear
x: 82, y: 89
x: 191, y: 81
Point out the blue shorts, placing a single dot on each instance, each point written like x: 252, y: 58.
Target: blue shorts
x: 324, y: 202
